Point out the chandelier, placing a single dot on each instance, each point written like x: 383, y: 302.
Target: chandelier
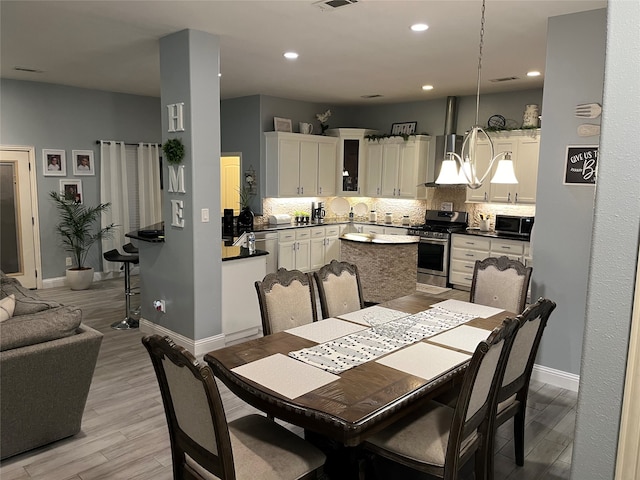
x: 468, y: 173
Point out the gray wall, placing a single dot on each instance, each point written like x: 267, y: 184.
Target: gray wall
x: 430, y: 113
x: 614, y: 255
x: 43, y: 115
x: 564, y: 213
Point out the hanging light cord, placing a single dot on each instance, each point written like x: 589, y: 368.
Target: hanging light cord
x: 480, y: 61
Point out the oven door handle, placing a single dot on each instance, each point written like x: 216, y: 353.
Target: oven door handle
x: 441, y: 241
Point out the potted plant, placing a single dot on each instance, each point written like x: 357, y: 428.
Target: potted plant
x: 245, y: 217
x: 79, y: 230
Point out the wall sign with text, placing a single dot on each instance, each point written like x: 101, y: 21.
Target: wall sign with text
x: 581, y: 165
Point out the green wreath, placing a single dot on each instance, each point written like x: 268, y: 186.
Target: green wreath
x: 174, y: 151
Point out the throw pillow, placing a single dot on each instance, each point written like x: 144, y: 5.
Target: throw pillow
x: 7, y: 305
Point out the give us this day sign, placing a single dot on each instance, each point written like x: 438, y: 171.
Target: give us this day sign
x: 581, y: 165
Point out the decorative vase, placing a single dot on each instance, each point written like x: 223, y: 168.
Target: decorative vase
x: 79, y: 279
x: 245, y: 220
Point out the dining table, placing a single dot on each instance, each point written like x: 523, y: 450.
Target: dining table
x: 346, y: 404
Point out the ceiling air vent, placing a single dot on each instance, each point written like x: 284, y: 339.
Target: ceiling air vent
x: 374, y: 95
x: 333, y: 4
x: 504, y: 79
x: 27, y: 69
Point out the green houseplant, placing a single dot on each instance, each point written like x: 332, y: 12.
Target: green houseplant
x: 79, y: 229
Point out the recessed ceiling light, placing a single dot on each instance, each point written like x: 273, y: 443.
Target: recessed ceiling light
x: 427, y: 87
x: 219, y: 75
x: 533, y: 73
x: 419, y: 27
x: 290, y: 55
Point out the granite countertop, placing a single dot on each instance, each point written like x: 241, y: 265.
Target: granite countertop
x: 275, y: 228
x: 151, y: 233
x: 235, y: 253
x: 379, y: 238
x: 493, y: 234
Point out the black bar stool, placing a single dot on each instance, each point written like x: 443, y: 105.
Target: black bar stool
x: 130, y: 248
x: 127, y: 322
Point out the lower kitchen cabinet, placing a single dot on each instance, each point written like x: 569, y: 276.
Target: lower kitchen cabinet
x: 294, y: 249
x: 269, y: 243
x: 466, y: 249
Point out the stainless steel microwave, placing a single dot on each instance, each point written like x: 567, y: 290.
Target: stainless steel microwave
x: 514, y: 225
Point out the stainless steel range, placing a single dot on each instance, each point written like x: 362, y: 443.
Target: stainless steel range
x: 435, y: 242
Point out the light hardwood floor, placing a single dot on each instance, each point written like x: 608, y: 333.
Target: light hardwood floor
x: 124, y: 433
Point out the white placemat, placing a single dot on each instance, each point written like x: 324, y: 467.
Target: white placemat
x: 382, y: 314
x: 325, y: 330
x: 463, y: 337
x: 458, y: 306
x: 285, y: 375
x: 424, y: 360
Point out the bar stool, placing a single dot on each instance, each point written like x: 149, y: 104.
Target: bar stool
x: 132, y: 249
x: 127, y: 322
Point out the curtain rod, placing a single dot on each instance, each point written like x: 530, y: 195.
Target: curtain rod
x: 130, y: 144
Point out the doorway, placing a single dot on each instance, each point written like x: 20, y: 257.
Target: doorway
x: 230, y: 183
x: 19, y: 235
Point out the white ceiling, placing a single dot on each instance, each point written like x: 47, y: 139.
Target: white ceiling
x: 361, y: 49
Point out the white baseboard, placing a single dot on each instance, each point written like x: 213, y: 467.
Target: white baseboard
x: 197, y: 347
x: 557, y: 378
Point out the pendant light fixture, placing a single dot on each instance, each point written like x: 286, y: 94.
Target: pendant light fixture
x: 468, y: 172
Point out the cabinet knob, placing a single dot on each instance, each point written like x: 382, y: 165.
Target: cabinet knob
x: 485, y: 196
x: 319, y: 189
x: 508, y: 197
x: 302, y: 190
x: 516, y: 197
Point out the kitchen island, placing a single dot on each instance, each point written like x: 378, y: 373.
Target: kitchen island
x: 386, y: 263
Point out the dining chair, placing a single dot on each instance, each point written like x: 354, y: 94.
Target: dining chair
x: 438, y: 439
x: 512, y: 395
x: 339, y: 288
x: 203, y: 444
x: 286, y: 300
x: 500, y: 282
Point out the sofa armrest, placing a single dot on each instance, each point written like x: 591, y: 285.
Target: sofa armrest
x: 44, y: 390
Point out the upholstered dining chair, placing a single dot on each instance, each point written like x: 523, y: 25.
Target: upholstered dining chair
x: 203, y: 444
x: 286, y: 300
x: 500, y: 282
x: 339, y: 288
x: 512, y: 395
x: 438, y: 439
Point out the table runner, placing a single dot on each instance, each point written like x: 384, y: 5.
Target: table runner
x: 352, y: 350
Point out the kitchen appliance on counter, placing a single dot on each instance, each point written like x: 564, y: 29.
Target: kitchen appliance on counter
x: 280, y: 219
x: 435, y: 244
x: 513, y: 225
x: 318, y: 213
x: 227, y: 223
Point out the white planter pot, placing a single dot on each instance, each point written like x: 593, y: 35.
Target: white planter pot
x: 80, y: 279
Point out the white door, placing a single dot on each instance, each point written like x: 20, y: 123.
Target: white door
x: 20, y: 239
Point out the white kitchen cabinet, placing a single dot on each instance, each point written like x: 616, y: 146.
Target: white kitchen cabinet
x: 294, y: 249
x: 395, y: 167
x: 332, y: 242
x: 352, y: 153
x: 525, y: 147
x: 466, y: 249
x: 269, y: 242
x: 240, y: 309
x: 300, y: 165
x: 317, y: 248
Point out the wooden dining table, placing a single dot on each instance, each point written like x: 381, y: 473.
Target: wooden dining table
x: 362, y: 401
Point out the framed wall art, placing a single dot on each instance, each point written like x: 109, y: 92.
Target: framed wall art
x: 54, y: 163
x: 581, y: 165
x: 71, y: 190
x: 83, y: 162
x: 282, y: 124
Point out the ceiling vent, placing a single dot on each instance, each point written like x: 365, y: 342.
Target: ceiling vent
x: 27, y: 69
x: 504, y: 79
x: 375, y: 95
x: 333, y: 4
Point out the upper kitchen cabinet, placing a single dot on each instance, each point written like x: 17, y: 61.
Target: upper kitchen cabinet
x: 525, y: 147
x: 396, y: 166
x: 300, y: 165
x: 351, y: 160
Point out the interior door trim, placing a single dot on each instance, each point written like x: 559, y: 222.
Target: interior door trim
x: 31, y: 152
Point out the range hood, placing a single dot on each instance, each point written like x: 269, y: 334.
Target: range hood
x: 449, y: 142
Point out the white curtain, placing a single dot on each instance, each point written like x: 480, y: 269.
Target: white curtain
x: 114, y: 189
x: 149, y: 198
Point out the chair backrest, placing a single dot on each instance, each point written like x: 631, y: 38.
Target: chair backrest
x: 193, y: 407
x: 476, y: 406
x: 501, y: 283
x: 286, y: 300
x: 339, y: 289
x: 531, y: 325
